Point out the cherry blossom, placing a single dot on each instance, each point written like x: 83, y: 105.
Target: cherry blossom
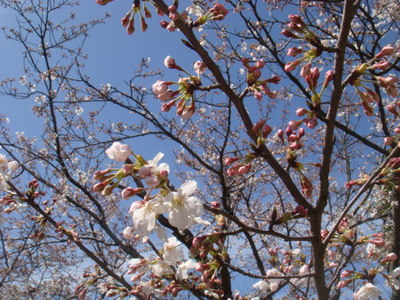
x: 152, y: 172
x: 184, y: 207
x: 119, y: 152
x: 144, y: 214
x: 367, y: 292
x: 172, y: 252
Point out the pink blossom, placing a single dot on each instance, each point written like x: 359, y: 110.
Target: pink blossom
x: 379, y: 242
x: 301, y: 112
x: 160, y: 87
x: 169, y: 62
x: 305, y: 70
x: 389, y: 257
x: 230, y: 160
x: 290, y: 66
x: 119, y: 152
x: 289, y: 34
x: 387, y: 50
x: 130, y: 192
x: 346, y: 273
x: 199, y: 67
x: 382, y: 65
x: 244, y: 169
x: 218, y: 12
x: 294, y: 51
x: 328, y: 77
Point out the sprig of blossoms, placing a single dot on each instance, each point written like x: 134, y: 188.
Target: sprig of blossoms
x: 183, y: 96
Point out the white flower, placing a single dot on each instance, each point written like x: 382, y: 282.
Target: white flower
x: 367, y: 292
x: 274, y: 282
x: 261, y: 285
x: 393, y: 280
x: 172, y: 253
x: 304, y: 270
x: 184, y: 207
x: 144, y: 214
x: 128, y: 233
x: 119, y: 152
x: 182, y: 272
x: 161, y: 268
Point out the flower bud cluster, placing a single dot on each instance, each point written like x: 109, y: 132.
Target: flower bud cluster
x: 360, y: 75
x: 240, y: 165
x: 183, y: 97
x: 259, y: 86
x: 217, y: 13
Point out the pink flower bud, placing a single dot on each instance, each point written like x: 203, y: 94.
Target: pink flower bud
x: 392, y: 109
x: 293, y: 138
x: 274, y: 79
x: 289, y: 34
x: 98, y: 187
x: 296, y: 19
x: 230, y: 160
x: 170, y: 63
x: 379, y: 242
x: 324, y: 233
x: 244, y: 169
x: 125, y: 20
x: 343, y: 283
x: 130, y: 192
x: 296, y: 27
x: 294, y: 125
x: 294, y: 51
x: 387, y: 50
x: 266, y: 131
x: 199, y: 67
x: 311, y: 122
x: 290, y: 66
x: 305, y: 70
x: 328, y: 77
x: 381, y: 65
x: 280, y: 135
x: 215, y: 204
x: 389, y: 257
x: 295, y: 145
x: 388, y: 140
x: 301, y: 112
x: 130, y: 29
x: 346, y: 273
x: 233, y: 170
x: 301, y: 132
x: 164, y: 24
x: 258, y: 126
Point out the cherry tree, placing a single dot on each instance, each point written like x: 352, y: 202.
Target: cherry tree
x: 286, y: 172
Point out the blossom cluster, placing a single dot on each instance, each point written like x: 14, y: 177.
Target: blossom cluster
x: 183, y: 96
x: 183, y: 209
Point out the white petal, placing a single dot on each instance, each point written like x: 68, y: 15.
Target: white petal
x: 179, y: 218
x: 156, y: 159
x: 188, y: 187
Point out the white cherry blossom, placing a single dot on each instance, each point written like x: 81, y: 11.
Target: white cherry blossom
x: 182, y: 272
x: 184, y: 207
x: 367, y: 292
x: 119, y: 152
x: 172, y: 253
x: 144, y: 214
